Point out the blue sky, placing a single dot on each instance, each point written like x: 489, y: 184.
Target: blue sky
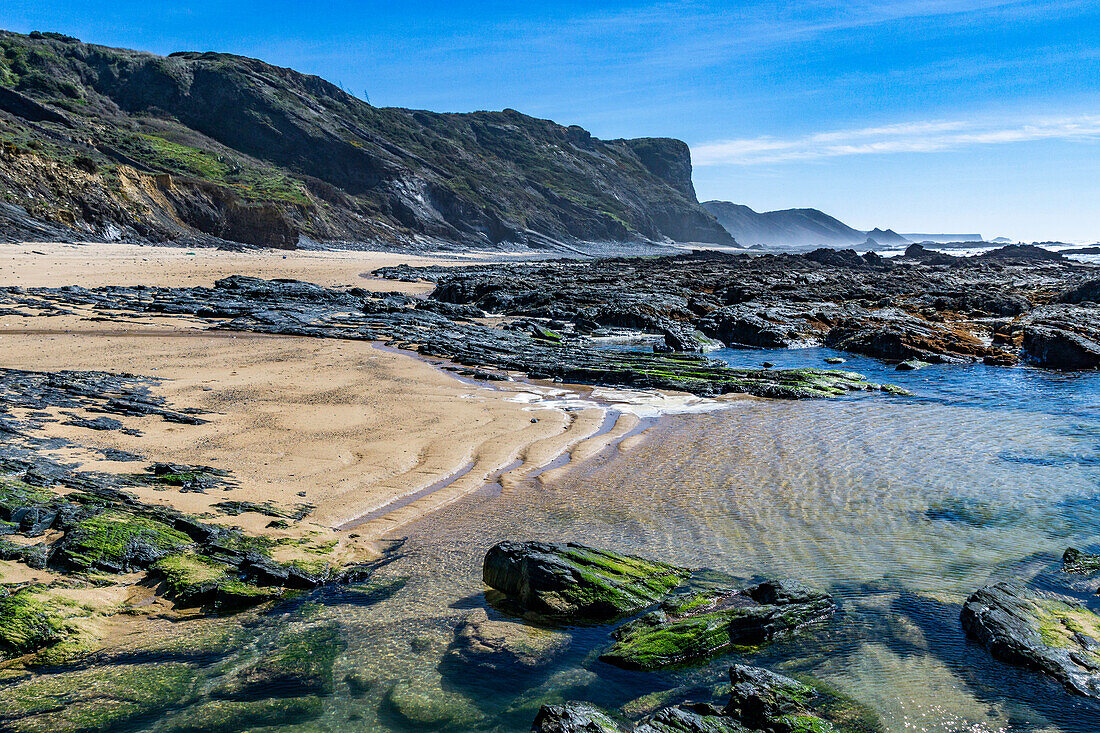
x: 944, y: 115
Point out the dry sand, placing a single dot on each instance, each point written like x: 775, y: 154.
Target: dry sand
x: 345, y: 426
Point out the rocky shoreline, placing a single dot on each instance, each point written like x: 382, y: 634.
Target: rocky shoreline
x: 1016, y: 303
x: 433, y: 328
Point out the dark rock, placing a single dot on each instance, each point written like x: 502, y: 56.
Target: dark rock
x: 683, y: 338
x: 928, y: 256
x: 1075, y: 561
x: 836, y: 257
x: 911, y: 365
x: 890, y: 333
x: 1063, y: 337
x: 690, y: 718
x: 1086, y: 292
x: 1061, y: 639
x: 761, y: 701
x: 1026, y: 252
x: 573, y: 718
x: 575, y: 582
x: 99, y: 423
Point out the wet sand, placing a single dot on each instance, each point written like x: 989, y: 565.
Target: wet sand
x: 344, y: 426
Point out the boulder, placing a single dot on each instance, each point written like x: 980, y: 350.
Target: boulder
x: 499, y: 645
x: 1059, y: 638
x: 568, y: 581
x: 697, y: 625
x: 684, y: 338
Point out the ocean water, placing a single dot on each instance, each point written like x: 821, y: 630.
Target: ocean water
x: 899, y: 507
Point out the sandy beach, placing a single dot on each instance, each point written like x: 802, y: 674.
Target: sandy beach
x: 371, y: 438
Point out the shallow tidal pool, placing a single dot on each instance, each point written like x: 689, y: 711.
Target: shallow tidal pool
x: 898, y: 506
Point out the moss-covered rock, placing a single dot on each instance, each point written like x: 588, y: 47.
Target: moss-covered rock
x: 195, y: 580
x: 117, y: 541
x: 237, y: 716
x: 29, y: 621
x: 760, y: 700
x: 703, y: 623
x: 577, y: 583
x: 298, y: 664
x: 1057, y: 637
x: 1077, y: 562
x: 93, y: 699
x: 16, y: 494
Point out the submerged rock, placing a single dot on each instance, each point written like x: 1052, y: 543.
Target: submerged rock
x: 1058, y: 638
x: 573, y: 717
x: 760, y: 701
x: 1075, y: 561
x: 569, y: 581
x: 503, y: 645
x: 424, y: 704
x: 300, y: 663
x: 704, y: 623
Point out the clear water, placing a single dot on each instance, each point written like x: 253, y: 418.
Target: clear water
x: 900, y: 507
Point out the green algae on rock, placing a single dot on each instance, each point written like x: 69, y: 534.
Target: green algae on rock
x: 235, y: 716
x: 299, y: 663
x: 120, y: 542
x: 94, y: 699
x: 425, y: 704
x: 1075, y: 561
x: 29, y: 621
x: 760, y: 700
x: 703, y: 623
x: 573, y: 582
x: 196, y: 580
x: 1057, y: 637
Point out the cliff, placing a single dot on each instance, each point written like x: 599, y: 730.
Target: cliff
x: 100, y: 143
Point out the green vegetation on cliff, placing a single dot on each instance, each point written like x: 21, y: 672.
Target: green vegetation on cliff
x: 224, y: 146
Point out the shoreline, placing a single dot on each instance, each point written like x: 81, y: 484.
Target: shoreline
x: 521, y: 430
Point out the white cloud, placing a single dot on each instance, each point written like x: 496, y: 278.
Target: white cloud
x: 908, y: 137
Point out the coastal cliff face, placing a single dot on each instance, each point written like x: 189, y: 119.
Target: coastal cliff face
x: 100, y: 144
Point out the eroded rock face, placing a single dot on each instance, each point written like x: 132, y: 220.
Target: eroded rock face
x: 1064, y: 337
x: 570, y: 581
x: 504, y: 645
x: 890, y: 333
x: 1023, y: 626
x: 703, y: 623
